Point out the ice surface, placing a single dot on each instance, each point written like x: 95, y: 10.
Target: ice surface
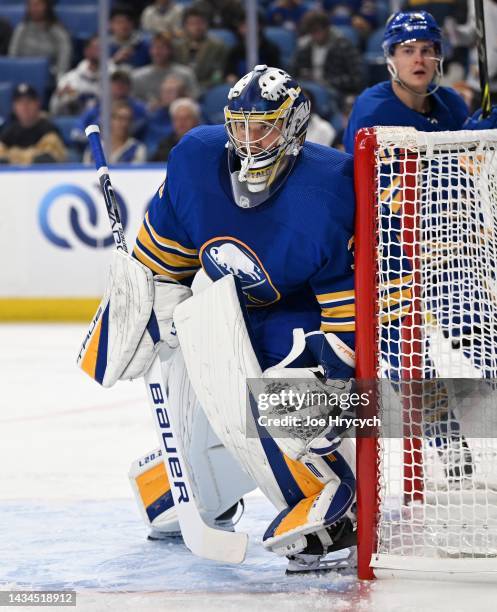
x: 68, y: 519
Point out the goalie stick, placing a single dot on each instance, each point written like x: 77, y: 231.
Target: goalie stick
x: 481, y: 46
x: 200, y: 538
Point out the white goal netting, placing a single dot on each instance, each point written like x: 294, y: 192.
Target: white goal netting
x: 435, y: 240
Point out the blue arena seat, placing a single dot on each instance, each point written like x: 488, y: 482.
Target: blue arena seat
x: 350, y: 33
x: 5, y: 100
x: 32, y: 70
x: 76, y: 3
x: 81, y: 21
x: 226, y: 36
x: 286, y: 42
x: 13, y: 13
x: 324, y: 99
x: 66, y: 125
x: 213, y: 103
x: 374, y: 58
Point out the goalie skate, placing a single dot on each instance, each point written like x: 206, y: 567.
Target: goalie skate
x: 316, y: 564
x: 340, y: 538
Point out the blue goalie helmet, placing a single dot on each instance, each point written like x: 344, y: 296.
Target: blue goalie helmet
x: 406, y: 27
x: 266, y: 119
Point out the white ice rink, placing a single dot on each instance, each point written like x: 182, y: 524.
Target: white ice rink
x: 68, y: 519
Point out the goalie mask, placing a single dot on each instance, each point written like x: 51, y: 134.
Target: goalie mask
x: 266, y: 119
x: 403, y: 28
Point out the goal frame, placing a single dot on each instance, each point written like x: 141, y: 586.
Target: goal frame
x: 368, y: 448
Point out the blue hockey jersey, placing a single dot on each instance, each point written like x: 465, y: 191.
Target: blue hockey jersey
x: 292, y: 254
x: 379, y: 105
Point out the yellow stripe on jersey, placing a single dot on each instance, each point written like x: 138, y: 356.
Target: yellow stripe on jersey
x: 307, y: 482
x: 394, y: 316
x: 156, y: 267
x: 396, y: 305
x: 166, y: 242
x: 387, y: 194
x: 393, y: 297
x: 169, y: 259
x: 400, y: 280
x: 339, y: 326
x: 336, y: 296
x: 396, y: 298
x: 347, y: 311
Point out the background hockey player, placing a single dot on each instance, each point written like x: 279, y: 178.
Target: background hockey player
x: 413, y: 97
x: 278, y: 215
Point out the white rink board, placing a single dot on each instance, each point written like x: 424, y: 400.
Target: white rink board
x: 46, y: 224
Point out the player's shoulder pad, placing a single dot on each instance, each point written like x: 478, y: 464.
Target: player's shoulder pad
x: 202, y: 140
x: 329, y: 173
x: 327, y: 162
x: 453, y: 100
x: 373, y: 97
x: 204, y: 146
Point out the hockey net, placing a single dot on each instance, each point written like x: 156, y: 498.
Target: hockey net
x: 426, y: 292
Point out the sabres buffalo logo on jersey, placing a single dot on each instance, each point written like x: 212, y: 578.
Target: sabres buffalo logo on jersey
x: 227, y: 255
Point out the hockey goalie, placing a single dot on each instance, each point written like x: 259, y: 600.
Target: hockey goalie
x: 269, y: 219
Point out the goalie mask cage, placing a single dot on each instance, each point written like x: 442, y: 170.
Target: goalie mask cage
x: 426, y: 290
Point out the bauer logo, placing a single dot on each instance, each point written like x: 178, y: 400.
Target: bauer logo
x: 228, y: 255
x: 174, y: 467
x: 68, y: 216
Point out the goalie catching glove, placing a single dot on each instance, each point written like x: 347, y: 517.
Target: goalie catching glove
x: 333, y: 377
x: 133, y: 322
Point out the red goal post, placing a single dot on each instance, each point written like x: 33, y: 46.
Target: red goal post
x: 425, y: 241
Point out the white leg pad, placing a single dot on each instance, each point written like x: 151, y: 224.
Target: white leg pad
x: 217, y: 480
x: 219, y: 358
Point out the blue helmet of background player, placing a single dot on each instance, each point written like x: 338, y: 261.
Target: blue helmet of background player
x: 406, y: 27
x: 402, y: 28
x: 266, y: 119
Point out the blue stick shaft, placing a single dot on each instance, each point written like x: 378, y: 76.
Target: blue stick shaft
x: 93, y: 134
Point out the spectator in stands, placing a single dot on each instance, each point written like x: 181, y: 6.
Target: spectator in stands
x: 147, y: 80
x: 440, y: 9
x: 359, y: 14
x: 225, y: 14
x: 236, y: 65
x: 464, y: 34
x: 286, y: 13
x: 162, y: 16
x: 159, y: 121
x: 5, y: 35
x: 30, y: 138
x: 124, y: 149
x: 79, y: 88
x: 120, y: 90
x: 185, y: 115
x: 127, y: 46
x: 346, y: 106
x: 319, y: 130
x: 41, y: 35
x: 327, y: 57
x: 204, y: 53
